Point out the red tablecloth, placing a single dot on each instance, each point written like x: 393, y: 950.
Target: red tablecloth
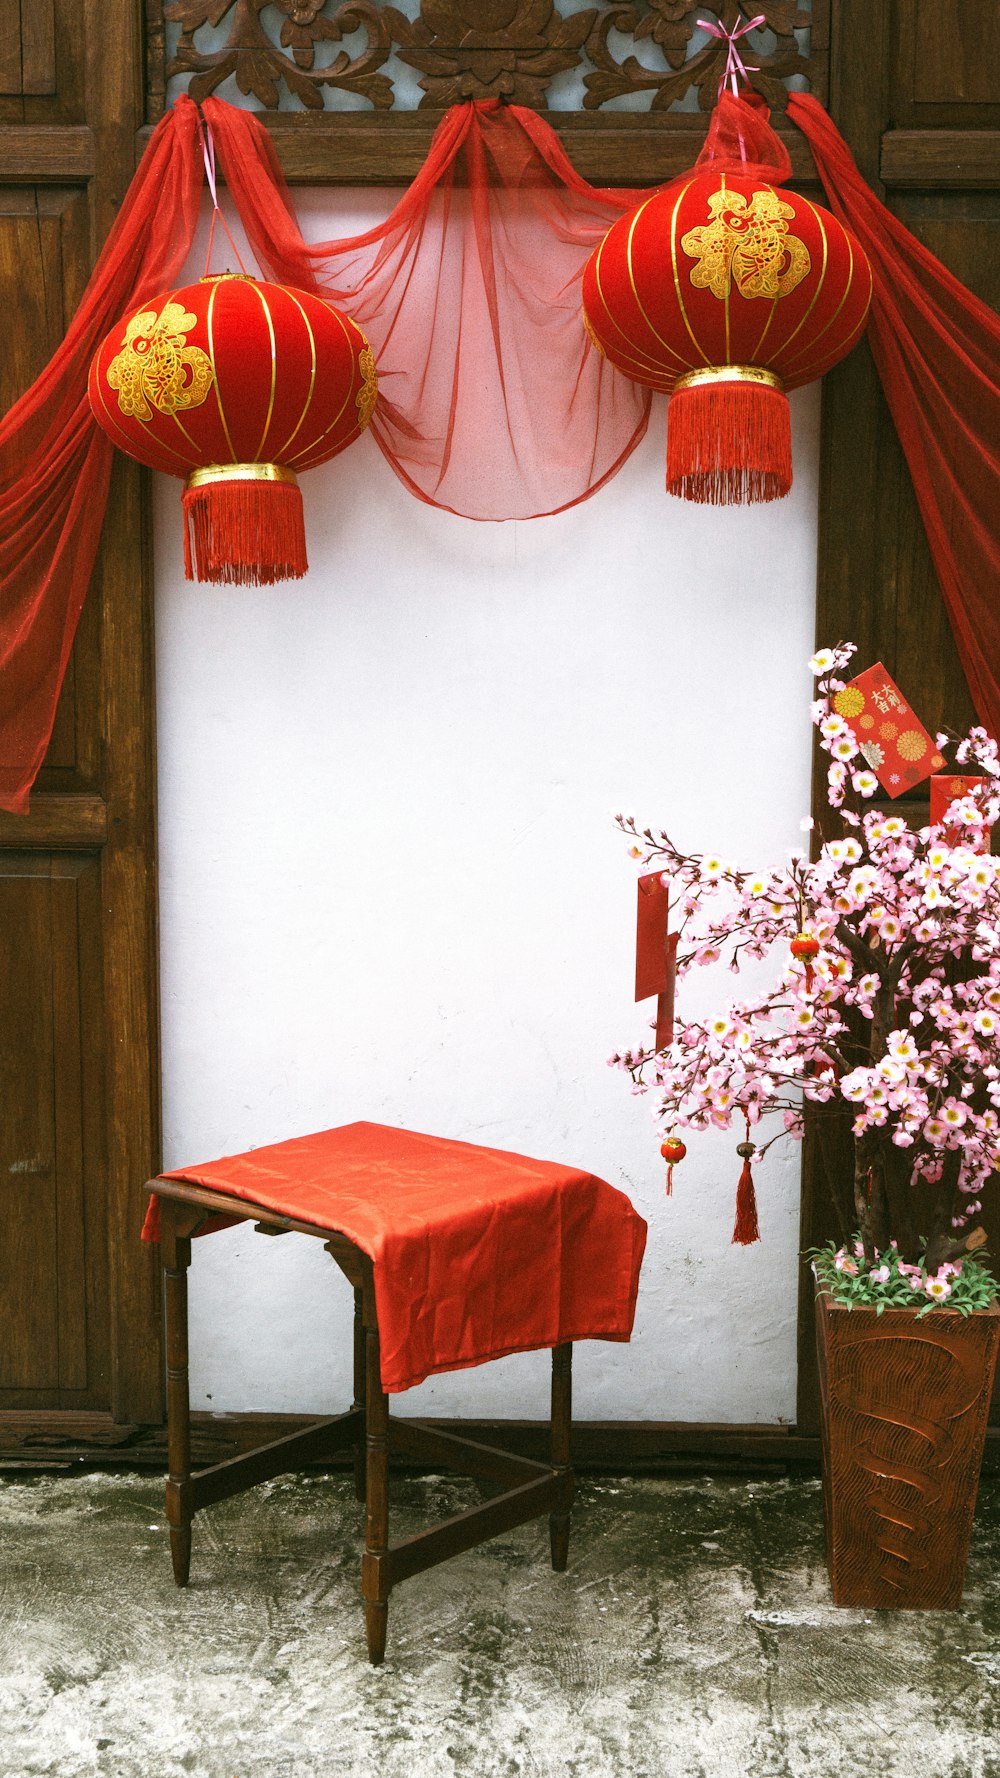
x: 478, y: 1252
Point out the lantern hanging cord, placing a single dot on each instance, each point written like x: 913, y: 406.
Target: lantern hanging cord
x: 736, y: 69
x: 207, y: 141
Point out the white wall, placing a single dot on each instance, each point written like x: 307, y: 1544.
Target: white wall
x: 391, y: 887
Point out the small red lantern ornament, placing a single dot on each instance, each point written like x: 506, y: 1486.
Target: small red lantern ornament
x: 726, y: 292
x: 236, y: 385
x: 805, y: 947
x: 673, y: 1150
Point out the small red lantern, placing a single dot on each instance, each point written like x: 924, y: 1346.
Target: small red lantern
x: 236, y: 385
x: 725, y: 292
x: 805, y: 947
x: 673, y: 1150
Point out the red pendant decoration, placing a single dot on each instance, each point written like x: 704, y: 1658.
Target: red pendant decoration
x: 236, y: 385
x: 726, y: 292
x: 747, y: 1227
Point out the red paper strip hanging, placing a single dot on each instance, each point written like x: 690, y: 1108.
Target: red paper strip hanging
x: 656, y: 953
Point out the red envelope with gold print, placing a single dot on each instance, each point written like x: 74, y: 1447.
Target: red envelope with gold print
x: 946, y: 788
x: 895, y: 744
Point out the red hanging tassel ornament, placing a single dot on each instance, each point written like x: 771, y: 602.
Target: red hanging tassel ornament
x: 747, y: 1229
x: 805, y: 947
x: 672, y: 1150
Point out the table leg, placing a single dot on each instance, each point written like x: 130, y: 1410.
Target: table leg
x: 374, y: 1563
x: 358, y: 1403
x: 562, y: 1414
x: 176, y: 1256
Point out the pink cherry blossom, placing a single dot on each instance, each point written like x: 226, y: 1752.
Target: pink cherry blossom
x: 870, y: 1028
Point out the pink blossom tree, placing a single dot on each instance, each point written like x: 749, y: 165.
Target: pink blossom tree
x: 885, y: 1011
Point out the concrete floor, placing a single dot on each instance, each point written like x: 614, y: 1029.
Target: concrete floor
x: 693, y: 1637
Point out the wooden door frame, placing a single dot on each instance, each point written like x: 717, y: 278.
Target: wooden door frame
x: 115, y: 815
x: 859, y: 47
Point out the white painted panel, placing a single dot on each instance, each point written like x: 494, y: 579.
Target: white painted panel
x: 391, y: 889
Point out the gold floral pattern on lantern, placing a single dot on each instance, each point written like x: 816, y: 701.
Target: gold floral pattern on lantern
x: 747, y: 244
x: 849, y: 702
x: 912, y: 744
x: 156, y: 368
x: 368, y: 392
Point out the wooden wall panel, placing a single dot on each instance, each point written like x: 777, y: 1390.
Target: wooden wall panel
x: 956, y: 51
x: 876, y: 583
x: 53, y: 1265
x: 44, y: 265
x: 10, y: 47
x: 43, y: 56
x: 77, y: 875
x: 38, y: 46
x: 44, y: 262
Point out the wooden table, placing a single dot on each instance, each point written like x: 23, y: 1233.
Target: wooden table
x: 530, y: 1488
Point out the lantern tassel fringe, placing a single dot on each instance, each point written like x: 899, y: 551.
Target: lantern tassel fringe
x: 729, y: 444
x: 244, y: 533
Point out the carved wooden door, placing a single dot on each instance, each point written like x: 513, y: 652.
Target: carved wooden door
x: 78, y: 1066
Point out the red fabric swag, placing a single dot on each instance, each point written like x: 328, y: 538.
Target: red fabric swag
x: 937, y: 351
x: 492, y: 402
x: 478, y: 1252
x: 55, y: 463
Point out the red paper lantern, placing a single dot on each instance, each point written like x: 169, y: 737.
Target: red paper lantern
x: 236, y: 385
x: 726, y: 292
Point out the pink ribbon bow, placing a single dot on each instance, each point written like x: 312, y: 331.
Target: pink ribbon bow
x: 736, y: 69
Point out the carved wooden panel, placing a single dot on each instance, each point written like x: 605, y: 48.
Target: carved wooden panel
x: 651, y: 54
x: 53, y: 1267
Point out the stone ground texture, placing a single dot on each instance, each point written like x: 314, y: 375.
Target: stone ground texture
x: 693, y: 1637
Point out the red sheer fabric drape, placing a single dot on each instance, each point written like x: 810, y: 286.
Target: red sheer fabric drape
x: 492, y: 402
x: 55, y: 464
x: 740, y: 139
x: 937, y: 350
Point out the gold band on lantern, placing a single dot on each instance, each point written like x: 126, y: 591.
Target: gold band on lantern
x: 727, y: 373
x: 241, y: 472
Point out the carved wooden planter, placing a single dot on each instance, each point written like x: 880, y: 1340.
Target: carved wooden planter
x: 904, y: 1409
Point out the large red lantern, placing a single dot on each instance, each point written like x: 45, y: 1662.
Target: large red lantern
x: 726, y: 292
x: 236, y: 385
